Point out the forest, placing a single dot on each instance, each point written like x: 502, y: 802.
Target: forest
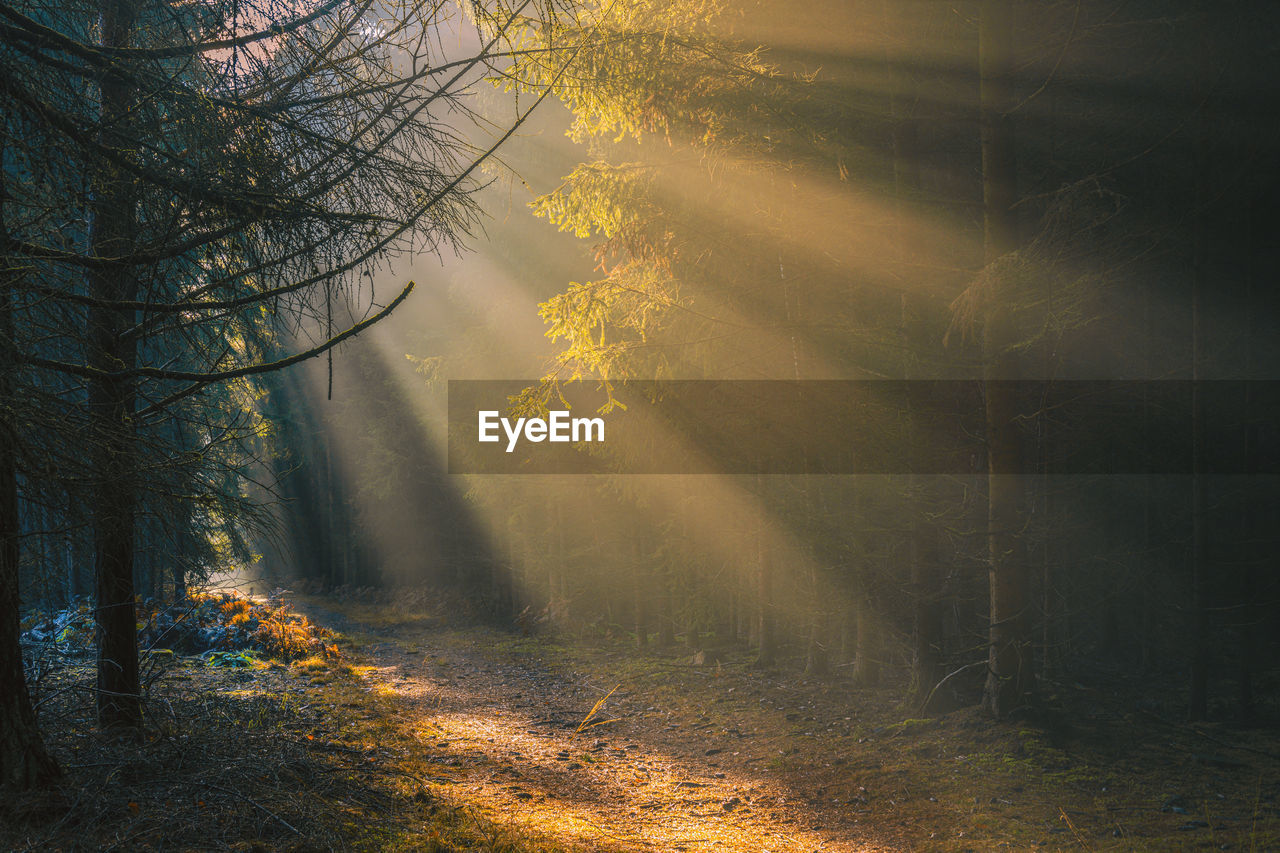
x: 536, y: 426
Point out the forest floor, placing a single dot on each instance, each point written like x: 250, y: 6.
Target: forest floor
x: 435, y: 736
x: 684, y: 757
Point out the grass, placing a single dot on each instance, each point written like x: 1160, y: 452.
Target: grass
x: 300, y: 758
x: 320, y: 754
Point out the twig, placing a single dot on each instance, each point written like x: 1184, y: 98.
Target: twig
x: 924, y: 706
x: 1080, y: 838
x: 253, y: 803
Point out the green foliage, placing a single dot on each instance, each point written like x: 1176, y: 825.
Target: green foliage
x: 242, y: 658
x: 603, y: 322
x: 634, y: 74
x: 600, y: 198
x: 631, y: 69
x: 628, y: 305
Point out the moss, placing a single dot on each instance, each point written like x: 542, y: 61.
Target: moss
x: 909, y: 724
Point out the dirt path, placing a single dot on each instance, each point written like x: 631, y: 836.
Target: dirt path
x: 731, y: 758
x: 511, y: 740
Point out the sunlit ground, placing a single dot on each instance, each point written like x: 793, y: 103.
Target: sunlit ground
x: 505, y: 726
x: 516, y: 753
x: 700, y: 758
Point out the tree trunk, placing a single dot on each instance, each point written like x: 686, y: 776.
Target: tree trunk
x: 112, y: 398
x: 816, y: 662
x: 902, y: 106
x: 642, y: 580
x: 866, y: 656
x: 1010, y: 676
x: 667, y: 618
x: 764, y: 592
x: 24, y: 763
x: 148, y: 575
x: 1254, y: 614
x: 181, y: 535
x: 557, y: 584
x: 67, y: 545
x: 332, y: 577
x: 926, y: 609
x: 922, y: 551
x: 848, y: 640
x: 1198, y: 700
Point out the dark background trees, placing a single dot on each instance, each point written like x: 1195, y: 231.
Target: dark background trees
x: 1040, y: 203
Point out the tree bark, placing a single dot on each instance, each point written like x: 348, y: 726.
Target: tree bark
x: 1010, y: 676
x: 815, y: 661
x: 926, y: 609
x: 921, y: 554
x: 768, y: 649
x: 180, y: 556
x: 866, y: 657
x: 1254, y: 614
x: 642, y: 579
x: 112, y: 398
x: 866, y: 630
x: 24, y: 762
x: 667, y: 618
x: 1198, y: 700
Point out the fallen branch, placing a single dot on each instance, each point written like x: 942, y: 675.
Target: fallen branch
x: 924, y: 706
x: 268, y: 812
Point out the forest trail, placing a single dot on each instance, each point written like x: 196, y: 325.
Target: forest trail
x: 508, y: 736
x: 727, y: 757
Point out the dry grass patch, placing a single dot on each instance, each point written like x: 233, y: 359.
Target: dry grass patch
x: 266, y: 758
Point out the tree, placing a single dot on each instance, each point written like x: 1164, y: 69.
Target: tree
x: 1010, y: 672
x: 248, y: 166
x: 24, y: 762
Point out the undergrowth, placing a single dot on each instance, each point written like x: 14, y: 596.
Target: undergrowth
x: 301, y: 757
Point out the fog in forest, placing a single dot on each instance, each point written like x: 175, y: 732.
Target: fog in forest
x: 935, y: 351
